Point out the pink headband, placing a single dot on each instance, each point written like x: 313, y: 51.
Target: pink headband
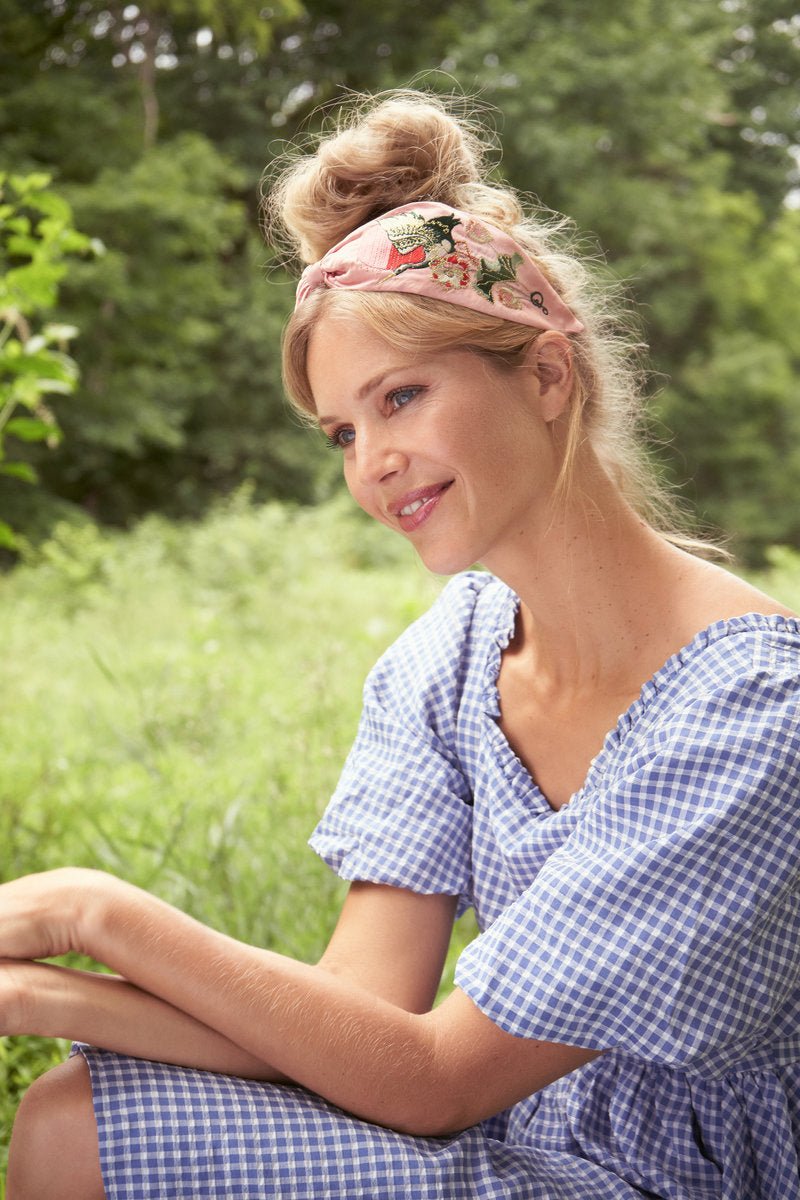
x: 432, y: 250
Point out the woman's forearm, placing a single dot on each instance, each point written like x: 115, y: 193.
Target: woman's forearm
x: 357, y: 1050
x: 309, y: 1023
x: 429, y: 1072
x: 112, y: 1013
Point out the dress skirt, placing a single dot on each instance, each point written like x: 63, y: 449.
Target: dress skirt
x: 167, y: 1132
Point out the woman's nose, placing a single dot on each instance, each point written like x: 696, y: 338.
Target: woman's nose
x: 377, y: 458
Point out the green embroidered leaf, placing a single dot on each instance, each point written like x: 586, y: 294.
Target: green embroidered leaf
x: 503, y: 271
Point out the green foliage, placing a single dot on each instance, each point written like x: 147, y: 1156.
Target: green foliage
x: 36, y: 237
x: 736, y: 401
x: 180, y: 389
x: 180, y: 701
x: 758, y: 127
x: 153, y: 303
x: 780, y: 575
x: 239, y: 20
x: 665, y: 130
x: 207, y: 690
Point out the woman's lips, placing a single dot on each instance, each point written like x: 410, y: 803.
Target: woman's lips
x: 413, y: 509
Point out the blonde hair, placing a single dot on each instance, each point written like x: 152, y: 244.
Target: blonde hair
x: 408, y: 146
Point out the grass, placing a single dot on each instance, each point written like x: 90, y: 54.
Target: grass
x: 177, y: 704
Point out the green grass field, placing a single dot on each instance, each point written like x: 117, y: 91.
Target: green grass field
x: 176, y: 706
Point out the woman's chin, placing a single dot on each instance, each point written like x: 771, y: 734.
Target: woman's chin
x: 444, y: 563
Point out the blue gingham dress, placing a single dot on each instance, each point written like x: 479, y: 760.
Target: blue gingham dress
x: 656, y: 916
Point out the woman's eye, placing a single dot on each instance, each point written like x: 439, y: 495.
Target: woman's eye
x: 343, y: 436
x: 400, y: 397
x: 340, y: 438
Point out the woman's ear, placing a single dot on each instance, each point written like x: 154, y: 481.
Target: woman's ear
x: 550, y: 358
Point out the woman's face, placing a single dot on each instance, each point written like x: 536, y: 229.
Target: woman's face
x: 448, y: 449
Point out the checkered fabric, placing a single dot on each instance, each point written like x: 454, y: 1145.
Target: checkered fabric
x: 168, y: 1132
x: 655, y: 916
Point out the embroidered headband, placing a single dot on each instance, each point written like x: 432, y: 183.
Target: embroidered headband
x: 432, y: 250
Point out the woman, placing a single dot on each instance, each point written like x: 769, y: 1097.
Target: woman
x: 628, y: 1022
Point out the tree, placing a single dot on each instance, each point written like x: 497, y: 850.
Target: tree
x: 180, y: 394
x: 737, y: 398
x: 761, y: 124
x: 36, y: 237
x: 134, y: 40
x: 638, y: 122
x: 664, y: 129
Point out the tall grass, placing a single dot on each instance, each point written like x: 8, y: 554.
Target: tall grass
x: 177, y: 703
x: 176, y: 706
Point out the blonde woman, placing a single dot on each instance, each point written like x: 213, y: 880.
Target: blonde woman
x: 594, y: 741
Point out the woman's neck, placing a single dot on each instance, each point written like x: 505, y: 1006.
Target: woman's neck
x: 605, y: 599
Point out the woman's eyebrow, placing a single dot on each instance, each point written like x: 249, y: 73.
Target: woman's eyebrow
x: 363, y: 391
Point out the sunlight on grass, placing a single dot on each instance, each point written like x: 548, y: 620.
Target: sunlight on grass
x: 177, y: 705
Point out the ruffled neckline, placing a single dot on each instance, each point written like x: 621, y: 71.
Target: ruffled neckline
x: 507, y: 758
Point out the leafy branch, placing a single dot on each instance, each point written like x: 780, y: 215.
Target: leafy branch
x: 36, y: 238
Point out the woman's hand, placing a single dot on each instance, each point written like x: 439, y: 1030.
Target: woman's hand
x: 43, y: 915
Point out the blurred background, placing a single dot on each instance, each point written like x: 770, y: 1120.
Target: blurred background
x: 668, y: 130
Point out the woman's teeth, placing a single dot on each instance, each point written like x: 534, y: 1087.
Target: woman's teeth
x: 415, y: 506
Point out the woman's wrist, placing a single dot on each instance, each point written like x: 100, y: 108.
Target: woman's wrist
x: 35, y: 999
x: 136, y: 934
x: 100, y: 905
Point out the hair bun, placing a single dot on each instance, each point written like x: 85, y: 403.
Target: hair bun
x: 407, y: 147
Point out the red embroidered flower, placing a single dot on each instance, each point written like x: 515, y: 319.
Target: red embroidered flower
x: 453, y: 270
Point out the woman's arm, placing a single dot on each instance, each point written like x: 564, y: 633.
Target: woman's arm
x: 388, y: 940
x: 107, y: 1011
x: 423, y: 1073
x: 393, y: 943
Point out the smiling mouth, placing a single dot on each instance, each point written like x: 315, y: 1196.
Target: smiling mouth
x: 419, y: 504
x: 421, y: 499
x: 410, y: 509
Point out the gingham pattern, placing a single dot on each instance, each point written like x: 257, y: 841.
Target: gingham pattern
x: 656, y: 914
x: 168, y: 1132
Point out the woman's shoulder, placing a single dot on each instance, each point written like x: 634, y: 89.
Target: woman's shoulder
x: 737, y: 681
x: 738, y: 651
x: 450, y: 641
x: 720, y: 632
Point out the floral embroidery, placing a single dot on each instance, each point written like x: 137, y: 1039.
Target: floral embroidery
x: 502, y: 271
x: 454, y: 270
x: 417, y: 242
x: 504, y: 295
x: 477, y: 232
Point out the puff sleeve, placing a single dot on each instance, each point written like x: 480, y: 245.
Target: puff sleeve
x: 667, y: 924
x: 401, y: 812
